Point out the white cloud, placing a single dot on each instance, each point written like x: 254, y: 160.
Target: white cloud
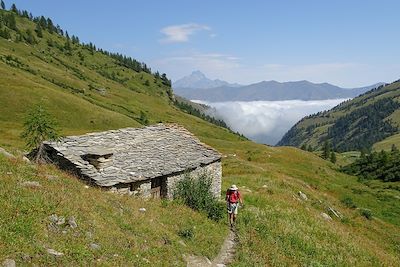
x: 267, y: 121
x: 181, y: 33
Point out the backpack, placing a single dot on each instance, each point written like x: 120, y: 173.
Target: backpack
x: 233, y: 196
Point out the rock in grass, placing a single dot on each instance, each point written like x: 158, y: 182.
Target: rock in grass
x: 72, y: 222
x: 94, y: 246
x: 303, y: 196
x: 25, y: 159
x: 54, y: 253
x: 8, y: 263
x: 31, y: 184
x: 6, y: 154
x: 142, y: 210
x: 326, y: 216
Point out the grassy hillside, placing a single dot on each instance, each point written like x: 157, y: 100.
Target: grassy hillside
x: 275, y: 228
x: 352, y: 125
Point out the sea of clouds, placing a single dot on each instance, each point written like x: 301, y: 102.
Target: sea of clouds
x: 266, y: 121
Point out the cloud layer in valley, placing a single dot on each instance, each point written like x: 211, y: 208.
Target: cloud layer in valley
x: 267, y: 121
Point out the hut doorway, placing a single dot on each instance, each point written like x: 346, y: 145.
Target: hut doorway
x: 158, y: 186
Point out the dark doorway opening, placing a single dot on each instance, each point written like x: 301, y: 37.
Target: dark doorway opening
x: 158, y: 187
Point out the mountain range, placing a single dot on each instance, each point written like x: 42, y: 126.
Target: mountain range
x: 198, y: 87
x: 197, y: 80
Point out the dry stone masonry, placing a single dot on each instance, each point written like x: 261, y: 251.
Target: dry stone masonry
x: 138, y: 161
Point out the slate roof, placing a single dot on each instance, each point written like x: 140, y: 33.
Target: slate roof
x: 135, y: 154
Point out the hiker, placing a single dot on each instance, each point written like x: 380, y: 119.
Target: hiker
x: 232, y: 202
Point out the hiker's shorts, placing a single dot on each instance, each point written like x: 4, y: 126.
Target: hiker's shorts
x: 232, y: 207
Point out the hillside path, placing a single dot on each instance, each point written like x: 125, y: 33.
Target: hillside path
x: 223, y: 258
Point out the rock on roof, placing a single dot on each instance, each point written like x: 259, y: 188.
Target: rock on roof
x: 134, y: 154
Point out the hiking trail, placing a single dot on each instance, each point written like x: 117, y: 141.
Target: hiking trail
x: 223, y: 258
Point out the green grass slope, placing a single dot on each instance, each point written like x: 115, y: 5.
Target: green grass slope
x: 352, y: 125
x: 276, y: 227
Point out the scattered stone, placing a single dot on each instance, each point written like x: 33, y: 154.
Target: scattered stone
x: 26, y: 257
x: 31, y: 184
x: 53, y: 218
x: 221, y: 265
x: 94, y: 246
x: 182, y: 243
x: 72, y: 222
x: 61, y: 220
x: 86, y: 186
x: 8, y: 263
x: 303, y: 196
x: 334, y: 212
x: 145, y: 260
x: 64, y: 232
x: 9, y: 173
x: 326, y: 216
x: 54, y: 253
x: 264, y: 186
x: 142, y: 210
x: 51, y: 177
x: 6, y: 154
x: 57, y: 220
x: 25, y: 159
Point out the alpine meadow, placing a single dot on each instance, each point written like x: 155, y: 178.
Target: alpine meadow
x: 324, y: 196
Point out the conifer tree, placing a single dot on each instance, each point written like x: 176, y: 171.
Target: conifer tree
x: 38, y: 31
x: 326, y: 150
x: 14, y: 8
x: 333, y: 157
x: 39, y: 126
x: 3, y: 5
x: 310, y: 148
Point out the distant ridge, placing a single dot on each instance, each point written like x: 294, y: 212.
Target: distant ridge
x: 197, y: 86
x: 198, y: 80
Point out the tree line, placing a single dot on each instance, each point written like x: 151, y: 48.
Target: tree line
x: 8, y: 23
x: 382, y: 165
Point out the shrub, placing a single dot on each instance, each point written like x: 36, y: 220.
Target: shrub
x: 196, y: 194
x: 366, y: 213
x: 187, y: 233
x: 348, y: 202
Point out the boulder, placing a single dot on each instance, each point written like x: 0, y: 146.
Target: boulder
x: 326, y: 216
x: 303, y: 196
x: 94, y: 246
x: 8, y: 263
x: 6, y: 154
x: 54, y: 253
x: 31, y: 184
x: 72, y: 222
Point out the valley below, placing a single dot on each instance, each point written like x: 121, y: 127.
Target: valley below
x: 265, y: 122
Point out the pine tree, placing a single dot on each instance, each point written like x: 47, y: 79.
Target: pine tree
x: 14, y: 8
x: 394, y: 149
x: 39, y: 126
x: 38, y: 31
x: 303, y: 147
x: 310, y: 148
x: 326, y: 150
x: 333, y: 157
x: 3, y: 5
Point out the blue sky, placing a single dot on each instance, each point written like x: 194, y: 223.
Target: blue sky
x: 345, y: 42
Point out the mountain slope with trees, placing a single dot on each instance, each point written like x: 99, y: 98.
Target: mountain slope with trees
x: 352, y: 125
x: 86, y: 89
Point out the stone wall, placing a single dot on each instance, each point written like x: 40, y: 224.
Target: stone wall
x: 142, y: 189
x: 214, y: 170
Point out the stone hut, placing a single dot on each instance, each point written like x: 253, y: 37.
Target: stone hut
x: 137, y: 161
